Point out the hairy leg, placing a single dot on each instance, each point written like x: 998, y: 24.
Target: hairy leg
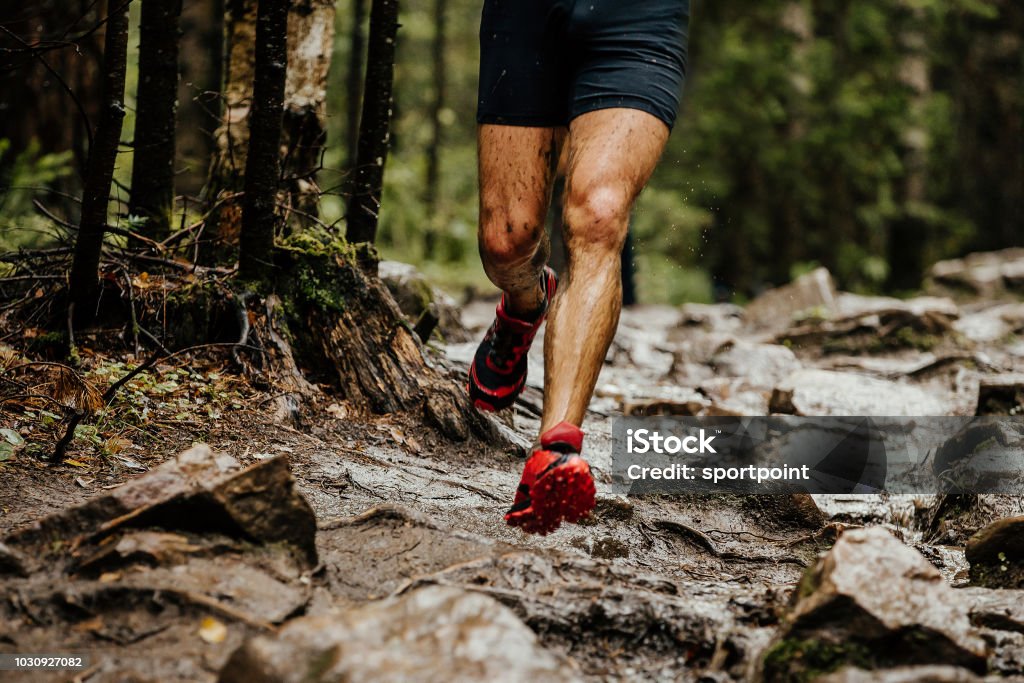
x: 612, y: 153
x: 516, y: 166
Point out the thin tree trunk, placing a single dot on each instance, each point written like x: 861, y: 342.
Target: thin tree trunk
x: 908, y: 235
x: 84, y: 278
x: 226, y: 179
x: 431, y: 190
x: 263, y: 163
x: 354, y: 85
x: 199, y: 92
x: 374, y: 126
x: 310, y: 42
x: 152, y: 195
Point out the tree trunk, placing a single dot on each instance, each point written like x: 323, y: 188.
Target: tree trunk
x: 354, y: 84
x: 84, y: 278
x: 199, y: 92
x: 263, y: 162
x: 433, y: 174
x: 374, y: 125
x: 227, y: 177
x: 908, y: 235
x: 788, y: 239
x: 310, y: 43
x: 152, y: 193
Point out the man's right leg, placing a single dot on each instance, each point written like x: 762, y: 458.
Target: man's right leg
x: 516, y: 165
x: 515, y: 185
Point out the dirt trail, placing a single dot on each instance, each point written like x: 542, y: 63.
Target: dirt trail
x: 652, y: 588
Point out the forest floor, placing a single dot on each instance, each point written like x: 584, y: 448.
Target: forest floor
x: 649, y: 588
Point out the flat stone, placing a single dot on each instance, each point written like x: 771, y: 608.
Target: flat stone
x: 758, y: 365
x: 991, y: 324
x: 431, y: 634
x: 906, y: 674
x: 823, y: 392
x: 984, y: 274
x: 875, y: 324
x: 999, y: 610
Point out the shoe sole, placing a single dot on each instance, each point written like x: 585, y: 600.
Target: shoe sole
x: 565, y: 494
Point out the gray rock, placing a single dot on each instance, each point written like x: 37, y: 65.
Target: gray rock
x: 431, y: 634
x: 414, y: 295
x: 875, y: 324
x: 874, y: 603
x: 759, y: 365
x: 813, y: 293
x: 992, y: 324
x: 996, y: 554
x: 712, y: 317
x: 906, y: 674
x: 823, y: 392
x: 199, y: 486
x: 984, y: 274
x: 999, y: 610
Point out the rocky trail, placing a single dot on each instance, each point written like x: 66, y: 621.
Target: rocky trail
x: 374, y: 550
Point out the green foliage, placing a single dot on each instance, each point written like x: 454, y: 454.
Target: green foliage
x: 23, y: 178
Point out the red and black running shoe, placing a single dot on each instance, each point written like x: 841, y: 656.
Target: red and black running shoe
x: 498, y: 373
x: 556, y: 484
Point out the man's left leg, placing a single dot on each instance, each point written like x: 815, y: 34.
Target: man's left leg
x: 612, y: 153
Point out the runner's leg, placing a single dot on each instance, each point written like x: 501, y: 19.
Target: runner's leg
x: 612, y: 153
x: 516, y: 164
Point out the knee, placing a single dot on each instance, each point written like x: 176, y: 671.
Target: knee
x: 597, y: 218
x: 509, y: 237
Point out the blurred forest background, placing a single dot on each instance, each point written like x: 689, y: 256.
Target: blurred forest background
x: 870, y: 137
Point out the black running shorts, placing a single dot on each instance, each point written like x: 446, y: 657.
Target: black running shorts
x: 545, y: 62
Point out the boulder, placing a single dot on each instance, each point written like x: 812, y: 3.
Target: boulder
x: 197, y: 490
x: 431, y: 634
x: 415, y: 296
x: 996, y: 554
x: 824, y: 392
x: 813, y: 293
x: 874, y: 603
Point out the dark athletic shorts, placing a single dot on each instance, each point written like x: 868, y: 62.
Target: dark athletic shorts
x: 545, y: 62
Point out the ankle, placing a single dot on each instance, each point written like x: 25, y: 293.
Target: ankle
x: 526, y: 306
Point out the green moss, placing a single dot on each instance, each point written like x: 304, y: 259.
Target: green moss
x: 794, y: 660
x: 911, y: 338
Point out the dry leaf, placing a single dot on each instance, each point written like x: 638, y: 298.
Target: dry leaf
x: 212, y: 631
x: 74, y: 463
x: 72, y: 389
x: 116, y: 444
